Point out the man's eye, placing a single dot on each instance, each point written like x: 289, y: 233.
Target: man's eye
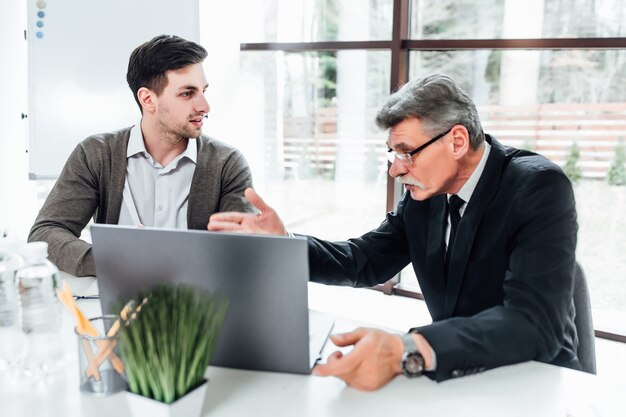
x: 187, y: 94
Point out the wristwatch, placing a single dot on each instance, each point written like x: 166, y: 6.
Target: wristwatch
x: 412, y: 360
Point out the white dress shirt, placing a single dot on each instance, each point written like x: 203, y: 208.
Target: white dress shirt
x: 154, y: 195
x: 468, y: 188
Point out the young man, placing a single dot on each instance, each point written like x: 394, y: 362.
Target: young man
x: 161, y: 172
x: 490, y: 231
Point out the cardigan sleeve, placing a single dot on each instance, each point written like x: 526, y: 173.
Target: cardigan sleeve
x: 236, y: 177
x: 65, y: 213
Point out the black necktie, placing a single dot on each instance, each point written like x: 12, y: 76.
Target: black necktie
x: 454, y: 205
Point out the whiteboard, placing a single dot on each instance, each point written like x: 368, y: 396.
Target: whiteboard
x: 78, y: 54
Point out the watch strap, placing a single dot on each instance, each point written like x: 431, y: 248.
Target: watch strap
x: 409, y: 343
x: 412, y: 360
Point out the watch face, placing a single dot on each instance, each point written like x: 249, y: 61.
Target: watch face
x: 413, y: 364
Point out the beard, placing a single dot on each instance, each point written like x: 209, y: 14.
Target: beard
x: 175, y: 133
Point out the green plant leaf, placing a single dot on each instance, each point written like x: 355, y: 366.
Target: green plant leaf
x: 169, y: 344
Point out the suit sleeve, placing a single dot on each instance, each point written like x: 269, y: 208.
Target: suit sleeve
x: 236, y: 177
x: 534, y: 319
x: 371, y: 259
x: 65, y: 213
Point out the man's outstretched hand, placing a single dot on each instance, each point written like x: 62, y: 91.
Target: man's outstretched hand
x: 372, y: 363
x: 266, y: 222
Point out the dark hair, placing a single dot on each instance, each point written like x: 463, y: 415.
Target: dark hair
x: 438, y: 102
x: 150, y: 61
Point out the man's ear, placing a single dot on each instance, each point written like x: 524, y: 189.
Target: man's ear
x: 460, y: 141
x: 146, y: 98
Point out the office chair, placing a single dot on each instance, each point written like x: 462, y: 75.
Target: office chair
x: 584, y: 322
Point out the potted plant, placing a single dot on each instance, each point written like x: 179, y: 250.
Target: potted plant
x: 166, y: 348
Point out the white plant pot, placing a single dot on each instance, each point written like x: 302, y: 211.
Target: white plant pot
x: 189, y: 405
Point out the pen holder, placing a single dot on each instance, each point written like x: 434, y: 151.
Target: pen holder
x: 101, y: 369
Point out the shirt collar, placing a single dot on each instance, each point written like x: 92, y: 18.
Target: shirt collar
x: 135, y: 142
x: 192, y: 150
x: 470, y: 185
x: 136, y: 145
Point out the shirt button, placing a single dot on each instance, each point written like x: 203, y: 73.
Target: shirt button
x: 160, y: 208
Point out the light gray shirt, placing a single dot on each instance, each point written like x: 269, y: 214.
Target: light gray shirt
x: 155, y: 195
x: 470, y: 185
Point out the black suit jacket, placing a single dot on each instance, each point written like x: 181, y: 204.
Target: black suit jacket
x: 508, y: 294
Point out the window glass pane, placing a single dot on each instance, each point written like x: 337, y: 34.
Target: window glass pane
x: 308, y: 132
x: 569, y: 105
x: 496, y: 19
x: 316, y: 20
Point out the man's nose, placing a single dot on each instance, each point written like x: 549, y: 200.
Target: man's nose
x: 202, y: 106
x: 397, y: 168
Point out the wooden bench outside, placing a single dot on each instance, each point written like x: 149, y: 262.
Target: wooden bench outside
x: 311, y: 144
x: 549, y: 129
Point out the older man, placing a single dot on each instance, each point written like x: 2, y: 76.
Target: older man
x: 490, y: 232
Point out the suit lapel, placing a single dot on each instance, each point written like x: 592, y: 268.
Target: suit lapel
x: 484, y: 192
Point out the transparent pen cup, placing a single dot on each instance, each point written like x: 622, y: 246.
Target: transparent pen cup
x: 100, y: 366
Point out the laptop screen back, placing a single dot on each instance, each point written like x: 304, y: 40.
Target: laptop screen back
x: 264, y: 277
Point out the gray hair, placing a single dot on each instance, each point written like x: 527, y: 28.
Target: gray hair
x: 438, y: 102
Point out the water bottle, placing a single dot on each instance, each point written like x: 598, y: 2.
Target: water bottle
x: 12, y: 346
x: 40, y: 311
x: 8, y: 294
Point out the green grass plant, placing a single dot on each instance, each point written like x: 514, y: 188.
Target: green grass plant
x: 168, y: 346
x: 617, y: 171
x: 572, y: 164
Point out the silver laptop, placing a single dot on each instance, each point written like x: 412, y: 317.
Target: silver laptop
x: 268, y: 326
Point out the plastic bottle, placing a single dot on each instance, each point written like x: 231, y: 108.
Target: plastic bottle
x: 12, y: 346
x: 40, y: 310
x: 8, y: 294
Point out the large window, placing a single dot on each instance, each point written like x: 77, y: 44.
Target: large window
x: 316, y: 20
x: 514, y: 19
x: 547, y: 75
x: 315, y: 151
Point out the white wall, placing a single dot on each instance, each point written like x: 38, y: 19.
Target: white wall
x: 17, y: 194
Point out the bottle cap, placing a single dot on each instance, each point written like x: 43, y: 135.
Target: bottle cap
x: 34, y: 251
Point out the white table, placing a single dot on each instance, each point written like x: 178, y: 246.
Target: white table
x: 527, y: 389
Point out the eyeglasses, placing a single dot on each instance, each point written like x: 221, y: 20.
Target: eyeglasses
x: 406, y: 156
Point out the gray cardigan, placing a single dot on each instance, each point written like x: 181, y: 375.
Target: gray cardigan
x: 92, y: 184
